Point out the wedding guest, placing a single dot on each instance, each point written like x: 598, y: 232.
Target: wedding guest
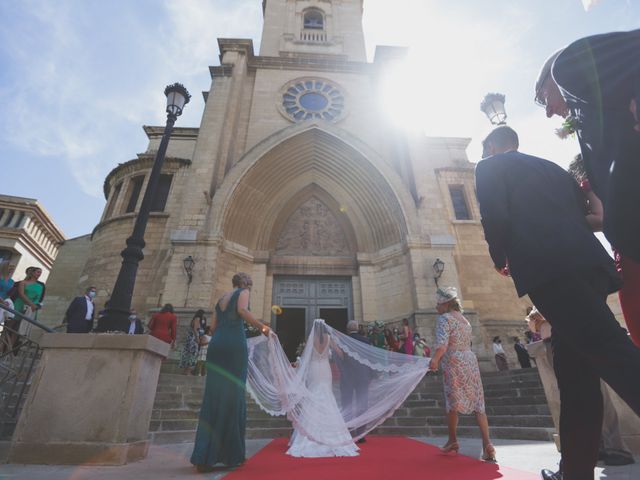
x: 80, y: 313
x: 6, y: 282
x: 202, y: 352
x: 391, y: 342
x: 420, y: 348
x: 163, y: 325
x: 534, y: 221
x: 538, y: 325
x: 378, y: 335
x: 593, y: 83
x: 629, y: 293
x: 407, y: 337
x: 501, y: 357
x: 6, y: 285
x: 30, y: 293
x: 461, y: 373
x: 189, y: 355
x: 220, y: 437
x: 135, y: 324
x: 522, y: 353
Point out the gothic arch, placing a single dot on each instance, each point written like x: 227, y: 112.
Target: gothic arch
x: 249, y: 205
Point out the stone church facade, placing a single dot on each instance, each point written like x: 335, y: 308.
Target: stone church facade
x: 297, y: 177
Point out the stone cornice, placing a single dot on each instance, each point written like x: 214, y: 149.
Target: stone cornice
x: 242, y: 45
x: 143, y: 162
x: 33, y: 247
x: 182, y: 133
x: 37, y: 213
x: 126, y: 217
x: 457, y: 169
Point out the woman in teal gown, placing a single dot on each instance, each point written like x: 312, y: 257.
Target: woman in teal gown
x: 222, y: 421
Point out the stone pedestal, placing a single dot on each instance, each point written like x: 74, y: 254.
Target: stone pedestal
x: 90, y: 400
x: 628, y: 421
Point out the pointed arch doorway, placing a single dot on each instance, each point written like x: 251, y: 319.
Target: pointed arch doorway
x: 305, y: 298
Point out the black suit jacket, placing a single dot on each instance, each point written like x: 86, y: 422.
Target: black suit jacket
x: 76, y: 316
x: 352, y: 368
x: 598, y: 76
x: 533, y: 215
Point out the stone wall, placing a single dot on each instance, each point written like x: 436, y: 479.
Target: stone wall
x: 66, y: 280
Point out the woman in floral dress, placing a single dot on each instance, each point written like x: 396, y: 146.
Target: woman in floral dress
x: 462, y: 383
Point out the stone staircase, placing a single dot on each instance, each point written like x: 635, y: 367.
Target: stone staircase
x: 515, y: 402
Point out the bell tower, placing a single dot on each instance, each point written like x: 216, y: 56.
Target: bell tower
x: 317, y: 27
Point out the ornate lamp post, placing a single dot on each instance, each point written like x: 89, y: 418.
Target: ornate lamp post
x: 188, y: 264
x: 493, y: 108
x: 116, y: 317
x: 438, y: 268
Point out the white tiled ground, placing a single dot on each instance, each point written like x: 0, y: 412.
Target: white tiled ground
x: 172, y: 462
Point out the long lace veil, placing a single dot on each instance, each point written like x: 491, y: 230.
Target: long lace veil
x: 367, y: 382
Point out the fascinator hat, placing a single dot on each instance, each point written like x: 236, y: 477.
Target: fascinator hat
x: 446, y: 294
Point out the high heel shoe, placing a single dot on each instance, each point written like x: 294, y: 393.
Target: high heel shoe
x: 450, y: 448
x: 489, y: 454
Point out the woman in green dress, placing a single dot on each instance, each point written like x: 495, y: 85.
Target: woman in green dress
x: 30, y: 291
x: 222, y: 421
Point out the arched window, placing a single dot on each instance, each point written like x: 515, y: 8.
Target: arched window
x: 313, y: 19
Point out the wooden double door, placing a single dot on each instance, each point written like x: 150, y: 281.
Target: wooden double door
x: 303, y: 299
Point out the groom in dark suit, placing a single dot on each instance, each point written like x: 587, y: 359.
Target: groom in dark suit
x: 595, y: 82
x: 533, y: 215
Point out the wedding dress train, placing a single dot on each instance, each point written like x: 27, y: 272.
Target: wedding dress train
x: 340, y: 390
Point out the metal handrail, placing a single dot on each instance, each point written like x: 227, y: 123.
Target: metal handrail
x: 18, y: 357
x: 22, y: 316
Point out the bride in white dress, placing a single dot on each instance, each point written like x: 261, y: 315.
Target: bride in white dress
x: 321, y: 408
x: 329, y: 408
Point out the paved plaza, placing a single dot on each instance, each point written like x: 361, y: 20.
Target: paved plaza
x: 172, y: 462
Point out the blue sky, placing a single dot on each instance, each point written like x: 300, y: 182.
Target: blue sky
x: 80, y: 77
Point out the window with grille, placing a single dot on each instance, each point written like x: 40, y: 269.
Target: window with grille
x: 159, y: 200
x: 134, y: 188
x: 113, y: 200
x: 459, y: 202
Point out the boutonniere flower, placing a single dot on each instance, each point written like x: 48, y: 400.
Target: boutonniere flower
x: 569, y: 127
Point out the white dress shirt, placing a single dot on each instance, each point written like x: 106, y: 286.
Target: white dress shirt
x: 89, y: 315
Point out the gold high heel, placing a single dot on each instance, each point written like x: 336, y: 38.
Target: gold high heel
x: 489, y: 454
x: 450, y: 448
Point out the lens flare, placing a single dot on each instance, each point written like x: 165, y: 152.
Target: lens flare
x: 276, y: 310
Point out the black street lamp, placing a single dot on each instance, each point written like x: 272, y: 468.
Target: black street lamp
x: 116, y: 317
x: 188, y: 264
x: 438, y: 268
x: 493, y: 108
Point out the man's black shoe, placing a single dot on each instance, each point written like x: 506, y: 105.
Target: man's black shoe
x: 549, y: 475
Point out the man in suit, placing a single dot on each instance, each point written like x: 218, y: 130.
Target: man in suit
x: 357, y: 375
x: 135, y: 324
x: 533, y: 215
x: 595, y: 82
x: 80, y: 314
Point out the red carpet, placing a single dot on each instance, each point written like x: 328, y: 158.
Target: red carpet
x: 380, y: 458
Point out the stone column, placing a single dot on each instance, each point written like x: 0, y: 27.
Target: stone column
x: 90, y: 400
